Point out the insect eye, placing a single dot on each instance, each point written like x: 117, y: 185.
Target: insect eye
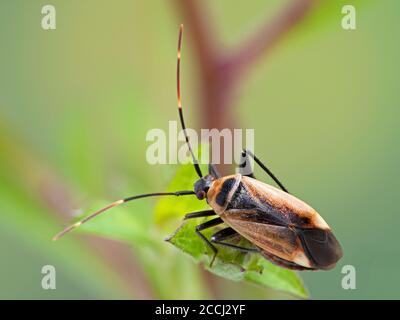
x: 200, y: 195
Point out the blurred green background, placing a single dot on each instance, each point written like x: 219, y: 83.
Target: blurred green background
x: 76, y: 104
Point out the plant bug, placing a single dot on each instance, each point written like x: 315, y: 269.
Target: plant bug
x: 282, y: 228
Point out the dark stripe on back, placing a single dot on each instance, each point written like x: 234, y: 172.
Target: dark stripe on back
x: 244, y: 200
x: 241, y: 199
x: 224, y: 192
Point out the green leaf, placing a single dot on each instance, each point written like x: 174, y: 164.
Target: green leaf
x: 229, y: 263
x: 234, y: 265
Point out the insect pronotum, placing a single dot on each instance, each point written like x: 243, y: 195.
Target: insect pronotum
x: 282, y: 228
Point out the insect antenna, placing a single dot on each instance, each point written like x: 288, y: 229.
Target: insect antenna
x: 178, y: 90
x: 117, y: 203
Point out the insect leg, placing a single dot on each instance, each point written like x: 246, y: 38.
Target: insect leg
x: 245, y: 168
x: 198, y: 214
x: 226, y: 234
x: 206, y: 225
x: 266, y: 170
x: 212, y: 170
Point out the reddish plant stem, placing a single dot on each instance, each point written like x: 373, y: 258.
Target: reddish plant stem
x: 262, y: 41
x: 222, y: 73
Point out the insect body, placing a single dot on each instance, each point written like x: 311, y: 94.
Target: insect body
x: 284, y: 229
x: 280, y: 227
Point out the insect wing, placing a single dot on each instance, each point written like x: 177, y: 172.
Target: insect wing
x: 321, y: 246
x: 280, y: 241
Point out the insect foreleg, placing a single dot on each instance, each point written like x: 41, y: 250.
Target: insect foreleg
x: 199, y: 214
x: 207, y: 225
x: 212, y: 170
x: 245, y: 168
